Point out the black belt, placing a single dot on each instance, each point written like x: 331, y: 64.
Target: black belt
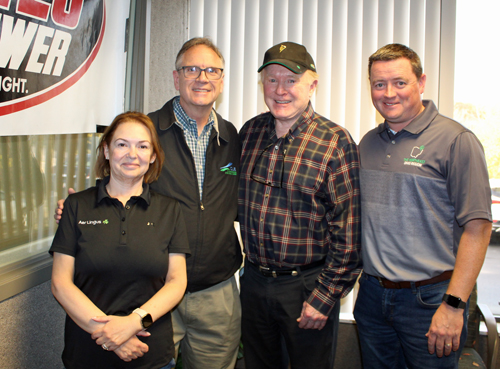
x: 276, y: 272
x: 398, y: 285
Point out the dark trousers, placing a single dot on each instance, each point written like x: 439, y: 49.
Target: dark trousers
x: 270, y: 308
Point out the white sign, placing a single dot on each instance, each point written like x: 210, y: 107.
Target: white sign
x: 62, y: 65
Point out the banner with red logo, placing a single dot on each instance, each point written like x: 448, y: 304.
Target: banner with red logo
x: 62, y: 65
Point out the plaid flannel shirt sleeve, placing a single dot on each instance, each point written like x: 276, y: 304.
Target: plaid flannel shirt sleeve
x: 343, y: 263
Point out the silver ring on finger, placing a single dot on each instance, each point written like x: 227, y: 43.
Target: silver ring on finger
x: 105, y: 347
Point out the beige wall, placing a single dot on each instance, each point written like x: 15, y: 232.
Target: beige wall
x: 169, y: 30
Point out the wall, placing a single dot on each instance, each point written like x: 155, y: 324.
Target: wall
x: 32, y: 322
x: 166, y: 39
x: 31, y: 327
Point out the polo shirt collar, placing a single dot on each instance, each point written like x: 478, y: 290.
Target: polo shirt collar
x: 420, y: 123
x: 102, y: 193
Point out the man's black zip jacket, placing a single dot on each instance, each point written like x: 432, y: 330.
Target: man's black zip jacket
x: 215, y: 250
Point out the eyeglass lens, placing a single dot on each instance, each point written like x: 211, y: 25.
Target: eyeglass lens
x: 269, y: 167
x: 193, y: 72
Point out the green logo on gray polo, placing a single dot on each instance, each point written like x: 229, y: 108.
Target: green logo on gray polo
x: 415, y: 153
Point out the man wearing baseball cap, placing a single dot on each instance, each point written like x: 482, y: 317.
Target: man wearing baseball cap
x: 299, y: 218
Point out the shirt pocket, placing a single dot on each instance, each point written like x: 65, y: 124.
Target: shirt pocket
x: 305, y: 176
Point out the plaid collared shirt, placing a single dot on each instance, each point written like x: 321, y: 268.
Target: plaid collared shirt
x: 197, y: 144
x: 299, y: 201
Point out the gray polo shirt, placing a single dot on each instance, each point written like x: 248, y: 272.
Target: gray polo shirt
x: 418, y: 189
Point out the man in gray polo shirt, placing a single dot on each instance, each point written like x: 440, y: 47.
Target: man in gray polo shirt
x: 426, y: 222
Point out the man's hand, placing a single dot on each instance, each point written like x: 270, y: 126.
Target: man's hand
x: 132, y: 349
x: 444, y: 332
x: 310, y: 318
x: 60, y: 206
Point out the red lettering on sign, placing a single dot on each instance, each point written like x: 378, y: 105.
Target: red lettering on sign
x: 34, y: 8
x: 5, y: 4
x: 70, y: 18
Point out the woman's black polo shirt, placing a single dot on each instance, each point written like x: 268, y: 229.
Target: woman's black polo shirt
x: 121, y: 261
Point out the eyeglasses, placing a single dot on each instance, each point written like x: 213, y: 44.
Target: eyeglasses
x: 192, y: 72
x: 261, y: 179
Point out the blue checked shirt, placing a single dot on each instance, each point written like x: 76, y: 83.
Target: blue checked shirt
x: 299, y: 201
x: 197, y: 144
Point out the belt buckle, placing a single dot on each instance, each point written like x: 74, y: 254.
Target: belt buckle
x: 266, y: 269
x: 380, y: 282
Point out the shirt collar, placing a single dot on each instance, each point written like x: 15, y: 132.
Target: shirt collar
x: 420, y: 122
x: 102, y: 193
x: 302, y: 122
x: 185, y: 121
x: 165, y: 121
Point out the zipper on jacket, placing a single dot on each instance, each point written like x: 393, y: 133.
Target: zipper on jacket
x: 201, y: 206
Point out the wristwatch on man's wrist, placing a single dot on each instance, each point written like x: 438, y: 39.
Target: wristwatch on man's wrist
x: 454, y: 301
x: 146, y: 319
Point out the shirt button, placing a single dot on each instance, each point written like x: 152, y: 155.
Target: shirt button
x: 388, y: 156
x: 393, y: 142
x: 123, y: 219
x: 127, y: 207
x: 276, y: 147
x: 123, y: 233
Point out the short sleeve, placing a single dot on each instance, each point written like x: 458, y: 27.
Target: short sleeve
x: 66, y: 238
x: 468, y: 183
x: 179, y: 242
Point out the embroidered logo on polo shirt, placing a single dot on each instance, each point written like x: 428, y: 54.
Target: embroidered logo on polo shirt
x: 229, y: 169
x: 415, y: 153
x: 93, y: 222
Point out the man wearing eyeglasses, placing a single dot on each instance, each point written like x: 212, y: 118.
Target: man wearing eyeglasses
x: 202, y: 154
x: 299, y: 218
x: 201, y: 171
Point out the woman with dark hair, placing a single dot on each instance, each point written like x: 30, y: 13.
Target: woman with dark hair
x: 120, y: 257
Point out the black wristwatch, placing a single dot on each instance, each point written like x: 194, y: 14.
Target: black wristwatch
x: 146, y: 319
x: 454, y: 301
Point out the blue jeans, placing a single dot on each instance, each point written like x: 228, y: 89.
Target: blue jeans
x: 392, y: 324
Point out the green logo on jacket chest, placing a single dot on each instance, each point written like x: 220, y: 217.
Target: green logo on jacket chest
x: 229, y: 169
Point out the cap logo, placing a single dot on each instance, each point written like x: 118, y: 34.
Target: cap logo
x: 282, y: 47
x: 312, y: 66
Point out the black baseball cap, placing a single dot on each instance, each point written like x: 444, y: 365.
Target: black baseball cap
x: 290, y: 55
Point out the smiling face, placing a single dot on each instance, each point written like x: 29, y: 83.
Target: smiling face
x: 396, y: 91
x: 286, y: 93
x: 199, y: 93
x: 130, y: 152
